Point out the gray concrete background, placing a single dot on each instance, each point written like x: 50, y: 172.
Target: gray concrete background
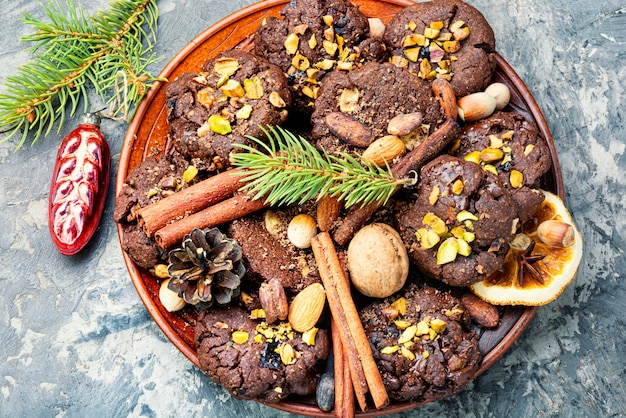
x: 76, y: 341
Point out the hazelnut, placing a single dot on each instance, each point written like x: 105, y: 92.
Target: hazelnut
x: 556, y: 233
x: 377, y: 28
x: 377, y: 261
x: 301, y: 229
x: 170, y: 299
x: 501, y: 93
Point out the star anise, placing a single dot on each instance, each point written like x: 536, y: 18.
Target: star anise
x: 526, y: 261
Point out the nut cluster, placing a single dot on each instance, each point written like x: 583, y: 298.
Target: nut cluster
x: 433, y: 48
x: 498, y: 156
x: 337, y: 55
x: 229, y: 89
x: 451, y: 240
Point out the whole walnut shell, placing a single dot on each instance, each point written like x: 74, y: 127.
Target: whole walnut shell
x: 377, y: 261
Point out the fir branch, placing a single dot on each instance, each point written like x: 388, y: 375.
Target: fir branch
x: 288, y: 169
x: 110, y: 51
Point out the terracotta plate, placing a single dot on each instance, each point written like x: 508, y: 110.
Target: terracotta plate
x: 147, y: 135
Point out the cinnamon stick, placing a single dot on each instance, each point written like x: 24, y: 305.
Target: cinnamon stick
x: 413, y: 161
x: 189, y: 200
x: 344, y: 311
x: 344, y: 392
x: 220, y: 213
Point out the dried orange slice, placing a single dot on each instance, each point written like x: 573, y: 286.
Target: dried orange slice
x: 536, y: 272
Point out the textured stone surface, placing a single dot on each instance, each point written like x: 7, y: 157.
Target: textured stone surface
x: 76, y: 340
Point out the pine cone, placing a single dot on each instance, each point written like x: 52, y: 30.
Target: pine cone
x: 207, y: 268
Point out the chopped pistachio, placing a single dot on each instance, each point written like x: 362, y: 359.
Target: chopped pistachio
x: 528, y: 149
x: 190, y: 173
x: 439, y: 325
x: 490, y: 155
x: 309, y: 336
x: 325, y: 64
x: 345, y: 65
x: 349, y: 100
x: 287, y: 354
x: 301, y: 29
x: 451, y: 46
x: 434, y: 195
x: 232, y: 88
x: 276, y: 100
x: 465, y: 215
x: 399, y: 61
x: 425, y: 68
x: 490, y: 169
x: 464, y: 248
x: 312, y: 41
x: 258, y: 338
x: 412, y: 26
x: 412, y: 54
x: 300, y: 62
x: 330, y: 47
x: 244, y: 112
x: 457, y: 24
x: 473, y: 156
x: 425, y: 354
x: 291, y: 43
x: 406, y: 353
x: 226, y: 66
x: 436, y: 223
x: 219, y: 125
x: 389, y: 349
x: 328, y: 19
x: 253, y: 88
x: 428, y: 238
x: 494, y: 141
x: 402, y: 324
x: 240, y: 337
x: 508, y: 134
x: 431, y: 33
x: 516, y: 178
x: 399, y: 305
x: 457, y: 187
x: 461, y: 33
x: 329, y: 34
x: 447, y: 251
x: 258, y: 314
x: 407, y: 334
x: 422, y: 328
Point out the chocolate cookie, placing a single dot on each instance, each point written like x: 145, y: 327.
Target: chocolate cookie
x: 444, y: 38
x: 355, y: 108
x: 428, y: 352
x: 458, y: 227
x: 236, y: 94
x: 314, y: 38
x: 511, y: 146
x: 244, y: 355
x: 150, y: 181
x: 267, y: 251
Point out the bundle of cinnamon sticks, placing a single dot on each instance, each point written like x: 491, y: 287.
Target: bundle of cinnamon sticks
x: 206, y: 204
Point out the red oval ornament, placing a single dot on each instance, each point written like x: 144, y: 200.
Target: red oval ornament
x: 79, y: 184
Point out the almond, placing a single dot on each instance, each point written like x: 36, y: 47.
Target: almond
x: 483, y: 313
x: 306, y: 308
x: 328, y: 209
x: 476, y: 106
x: 273, y: 300
x: 384, y: 150
x: 348, y: 129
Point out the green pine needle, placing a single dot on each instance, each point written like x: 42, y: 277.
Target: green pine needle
x: 287, y: 169
x: 110, y: 51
